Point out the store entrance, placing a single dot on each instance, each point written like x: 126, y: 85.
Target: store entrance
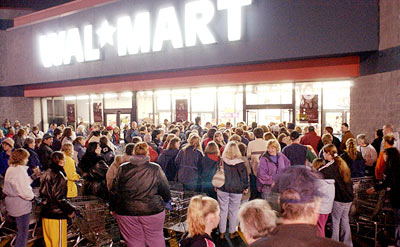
x: 266, y: 116
x: 117, y: 118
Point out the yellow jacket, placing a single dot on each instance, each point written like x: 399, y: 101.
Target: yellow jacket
x: 72, y: 176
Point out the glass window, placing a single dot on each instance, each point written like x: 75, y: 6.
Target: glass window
x: 269, y: 94
x: 70, y: 110
x: 230, y: 104
x: 203, y: 104
x: 82, y: 108
x: 49, y: 103
x: 162, y: 101
x: 336, y: 94
x: 59, y: 112
x: 118, y: 100
x: 145, y: 106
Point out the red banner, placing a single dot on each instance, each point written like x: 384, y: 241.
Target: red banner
x: 309, y: 108
x: 181, y: 110
x: 71, y: 113
x: 97, y: 113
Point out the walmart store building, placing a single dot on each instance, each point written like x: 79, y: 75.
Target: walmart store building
x: 114, y: 61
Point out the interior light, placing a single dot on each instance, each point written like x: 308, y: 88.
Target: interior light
x: 132, y: 40
x: 127, y: 94
x: 110, y: 95
x: 198, y: 14
x: 167, y: 29
x: 234, y: 9
x: 91, y: 54
x: 69, y: 98
x: 82, y: 97
x: 73, y: 46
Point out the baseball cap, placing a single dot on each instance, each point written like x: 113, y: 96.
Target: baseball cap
x: 47, y: 136
x: 300, y: 179
x: 294, y: 135
x: 9, y: 141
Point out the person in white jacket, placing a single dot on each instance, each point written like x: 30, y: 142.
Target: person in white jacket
x: 326, y: 188
x: 19, y: 194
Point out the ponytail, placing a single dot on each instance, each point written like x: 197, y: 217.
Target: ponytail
x: 199, y: 208
x: 344, y: 169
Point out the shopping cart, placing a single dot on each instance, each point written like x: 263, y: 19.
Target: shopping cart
x: 93, y: 225
x: 367, y: 216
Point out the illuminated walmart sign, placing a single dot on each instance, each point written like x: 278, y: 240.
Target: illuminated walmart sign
x: 134, y: 36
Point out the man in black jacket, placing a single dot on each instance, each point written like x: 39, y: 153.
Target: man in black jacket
x: 45, y: 151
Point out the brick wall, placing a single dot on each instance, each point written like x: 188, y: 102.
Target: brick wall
x: 375, y: 98
x: 26, y: 110
x: 389, y: 11
x: 2, y: 56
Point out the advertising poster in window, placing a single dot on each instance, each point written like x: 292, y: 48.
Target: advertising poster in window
x: 97, y: 113
x: 71, y: 113
x: 181, y: 111
x: 309, y: 108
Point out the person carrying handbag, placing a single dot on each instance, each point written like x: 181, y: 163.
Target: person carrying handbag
x: 234, y: 174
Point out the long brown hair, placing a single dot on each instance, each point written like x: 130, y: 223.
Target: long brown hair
x: 344, y: 170
x: 351, y: 148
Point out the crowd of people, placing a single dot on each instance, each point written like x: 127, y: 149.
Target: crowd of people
x: 310, y: 175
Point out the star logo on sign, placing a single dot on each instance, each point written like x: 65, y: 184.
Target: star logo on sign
x: 106, y: 34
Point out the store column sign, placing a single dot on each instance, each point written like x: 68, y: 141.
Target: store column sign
x: 71, y: 113
x: 97, y: 113
x: 181, y: 111
x: 132, y: 35
x: 309, y: 108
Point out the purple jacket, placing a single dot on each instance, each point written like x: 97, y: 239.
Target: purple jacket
x: 268, y: 171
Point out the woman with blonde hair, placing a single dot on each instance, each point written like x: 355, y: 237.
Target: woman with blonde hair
x: 188, y: 163
x: 272, y: 164
x: 353, y: 158
x: 202, y: 218
x: 230, y: 194
x: 70, y: 169
x: 137, y: 196
x: 337, y: 169
x: 19, y: 194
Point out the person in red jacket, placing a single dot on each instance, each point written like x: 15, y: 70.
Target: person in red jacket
x: 311, y: 138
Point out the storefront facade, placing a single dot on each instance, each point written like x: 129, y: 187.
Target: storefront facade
x: 263, y: 61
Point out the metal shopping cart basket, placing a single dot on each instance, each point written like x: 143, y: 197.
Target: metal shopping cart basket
x: 367, y: 217
x: 93, y: 224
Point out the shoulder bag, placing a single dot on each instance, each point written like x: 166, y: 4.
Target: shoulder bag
x: 218, y: 179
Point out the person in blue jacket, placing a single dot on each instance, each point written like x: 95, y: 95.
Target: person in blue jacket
x: 34, y: 165
x: 8, y: 145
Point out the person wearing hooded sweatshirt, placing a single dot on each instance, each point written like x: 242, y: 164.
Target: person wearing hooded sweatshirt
x: 137, y: 197
x: 188, y: 163
x: 94, y: 170
x: 327, y: 189
x: 209, y: 165
x: 230, y: 194
x: 119, y: 160
x: 167, y: 159
x: 272, y: 164
x: 55, y: 208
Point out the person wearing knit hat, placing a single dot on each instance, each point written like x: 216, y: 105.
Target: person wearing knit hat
x: 8, y: 145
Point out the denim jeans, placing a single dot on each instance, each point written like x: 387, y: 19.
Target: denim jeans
x: 23, y: 230
x: 340, y: 222
x: 229, y: 203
